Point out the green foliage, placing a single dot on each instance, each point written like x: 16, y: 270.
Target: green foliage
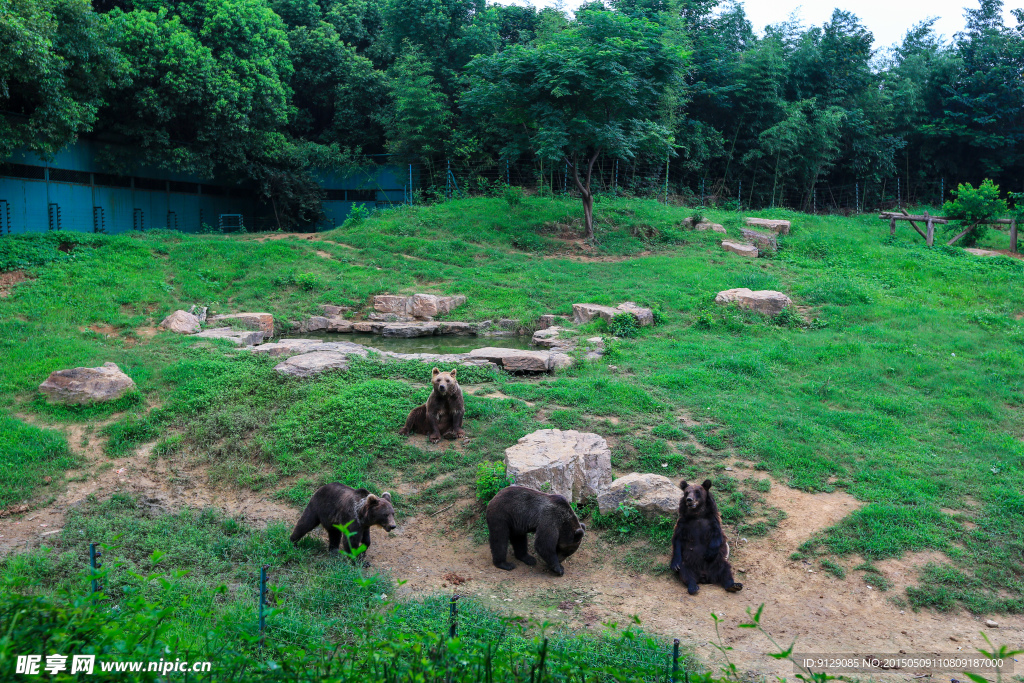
x: 490, y: 478
x: 836, y: 570
x: 356, y: 215
x: 624, y: 325
x: 972, y: 207
x: 28, y: 455
x: 513, y: 196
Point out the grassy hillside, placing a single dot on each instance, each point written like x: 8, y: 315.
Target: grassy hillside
x: 898, y: 380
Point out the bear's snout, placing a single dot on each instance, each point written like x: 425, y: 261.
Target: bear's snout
x: 442, y: 388
x: 390, y: 526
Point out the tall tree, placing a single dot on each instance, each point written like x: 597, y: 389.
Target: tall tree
x: 590, y: 89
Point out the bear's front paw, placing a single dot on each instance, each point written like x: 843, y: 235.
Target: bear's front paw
x: 434, y: 438
x: 735, y: 588
x: 449, y: 434
x: 460, y: 434
x: 403, y: 431
x: 675, y: 566
x: 529, y: 559
x: 558, y: 570
x: 692, y: 589
x: 507, y: 566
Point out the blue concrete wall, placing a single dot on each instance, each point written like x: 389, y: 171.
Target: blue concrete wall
x: 74, y: 192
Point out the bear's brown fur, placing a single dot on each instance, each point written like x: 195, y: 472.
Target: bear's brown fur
x: 442, y: 413
x: 336, y: 504
x: 700, y: 550
x: 517, y: 511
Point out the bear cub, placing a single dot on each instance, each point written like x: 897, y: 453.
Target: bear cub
x: 517, y: 511
x: 337, y: 504
x: 700, y: 551
x: 442, y: 413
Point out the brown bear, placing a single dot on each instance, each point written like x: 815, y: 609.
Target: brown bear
x: 517, y: 511
x: 334, y: 504
x: 700, y: 551
x: 442, y: 413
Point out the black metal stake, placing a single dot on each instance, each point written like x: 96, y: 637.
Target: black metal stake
x: 94, y: 562
x: 453, y: 614
x: 263, y: 601
x: 675, y: 660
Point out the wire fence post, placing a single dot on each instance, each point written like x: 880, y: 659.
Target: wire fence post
x: 899, y: 194
x: 675, y: 660
x: 263, y: 601
x: 739, y: 196
x: 702, y: 191
x: 508, y: 180
x: 565, y: 178
x: 814, y: 200
x: 453, y: 617
x: 410, y: 184
x: 942, y: 191
x: 615, y: 183
x: 667, y: 159
x: 856, y: 197
x: 448, y: 180
x: 94, y: 563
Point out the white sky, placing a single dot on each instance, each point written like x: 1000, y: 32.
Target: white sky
x: 888, y: 20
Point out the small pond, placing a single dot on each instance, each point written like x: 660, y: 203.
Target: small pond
x: 438, y: 343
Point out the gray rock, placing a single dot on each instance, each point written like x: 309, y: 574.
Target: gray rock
x: 250, y: 321
x: 574, y: 464
x: 764, y: 301
x: 748, y: 250
x: 457, y: 328
x: 389, y: 303
x: 368, y: 326
x: 515, y: 360
x: 236, y: 337
x: 442, y: 359
x: 287, y: 347
x: 584, y: 313
x: 417, y: 305
x: 651, y: 494
x: 416, y: 329
x: 315, y: 323
x: 339, y: 324
x: 331, y: 311
x: 199, y: 312
x: 87, y: 385
x: 181, y: 322
x: 764, y: 241
x: 313, y: 363
x: 392, y: 317
x: 548, y: 320
x: 644, y: 316
x: 777, y: 226
x: 547, y: 337
x: 991, y: 624
x: 560, y: 360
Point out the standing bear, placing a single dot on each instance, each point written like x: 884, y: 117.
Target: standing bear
x: 700, y: 552
x: 442, y: 413
x: 517, y: 511
x: 337, y: 504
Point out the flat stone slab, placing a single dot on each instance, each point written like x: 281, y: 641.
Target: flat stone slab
x: 313, y: 363
x: 331, y: 310
x: 516, y: 360
x: 251, y: 321
x: 408, y: 330
x: 547, y: 337
x: 87, y: 385
x: 763, y: 240
x: 714, y: 227
x: 339, y: 324
x: 573, y: 464
x: 651, y: 494
x: 291, y: 347
x: 417, y: 305
x: 775, y: 225
x: 368, y: 326
x: 181, y: 322
x: 236, y: 337
x: 764, y: 301
x: 306, y: 347
x: 457, y: 328
x: 463, y: 359
x: 748, y: 250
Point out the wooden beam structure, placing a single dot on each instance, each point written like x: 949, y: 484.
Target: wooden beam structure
x: 931, y: 221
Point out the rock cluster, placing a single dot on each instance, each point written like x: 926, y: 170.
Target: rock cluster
x: 417, y: 305
x: 777, y: 226
x: 584, y: 313
x: 764, y: 241
x: 574, y: 464
x: 519, y: 360
x: 87, y: 385
x: 263, y: 322
x: 306, y: 357
x: 764, y: 301
x: 236, y: 337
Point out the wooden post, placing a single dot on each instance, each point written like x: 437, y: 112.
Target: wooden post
x: 1013, y: 235
x: 892, y: 226
x: 913, y: 224
x: 930, y: 227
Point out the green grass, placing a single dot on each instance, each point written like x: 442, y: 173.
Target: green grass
x: 897, y: 381
x: 28, y: 455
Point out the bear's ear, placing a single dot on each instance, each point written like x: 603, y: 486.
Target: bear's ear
x: 386, y: 496
x: 576, y: 537
x: 683, y: 485
x: 707, y: 484
x: 372, y: 500
x: 452, y: 373
x: 435, y: 372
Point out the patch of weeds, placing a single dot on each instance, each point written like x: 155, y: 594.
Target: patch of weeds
x: 170, y: 445
x: 28, y: 456
x: 835, y: 291
x: 708, y: 436
x: 836, y: 570
x: 624, y: 325
x: 762, y: 485
x: 85, y: 411
x: 757, y: 280
x: 878, y: 580
x: 670, y: 431
x: 566, y: 419
x: 490, y: 478
x: 128, y: 434
x: 308, y: 281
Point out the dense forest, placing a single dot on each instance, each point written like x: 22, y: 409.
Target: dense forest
x: 266, y: 90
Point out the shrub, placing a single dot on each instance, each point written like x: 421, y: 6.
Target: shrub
x: 356, y: 215
x: 624, y: 325
x: 308, y: 281
x: 972, y: 208
x: 490, y: 478
x: 514, y: 196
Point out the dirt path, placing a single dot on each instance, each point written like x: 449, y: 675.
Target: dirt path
x: 824, y: 614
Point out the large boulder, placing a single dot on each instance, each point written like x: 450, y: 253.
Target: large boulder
x: 764, y: 241
x: 644, y: 316
x: 181, y: 322
x: 236, y: 337
x: 264, y: 322
x: 87, y: 385
x: 315, y: 323
x: 574, y: 464
x: 516, y: 360
x: 339, y: 324
x: 368, y: 326
x: 764, y: 301
x: 748, y: 250
x: 584, y: 313
x: 456, y: 328
x: 417, y: 305
x: 389, y: 303
x: 417, y: 329
x: 313, y: 363
x: 547, y: 338
x: 651, y: 494
x: 777, y: 226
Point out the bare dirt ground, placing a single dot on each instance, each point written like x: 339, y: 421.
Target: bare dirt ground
x: 9, y: 279
x: 822, y: 613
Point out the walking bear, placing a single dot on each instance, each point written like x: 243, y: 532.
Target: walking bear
x: 700, y: 551
x: 442, y: 413
x: 337, y: 504
x: 517, y: 511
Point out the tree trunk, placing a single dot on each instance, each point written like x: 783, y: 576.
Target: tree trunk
x: 585, y: 193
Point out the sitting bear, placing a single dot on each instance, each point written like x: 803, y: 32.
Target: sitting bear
x: 443, y: 411
x: 517, y: 511
x: 700, y: 552
x: 337, y: 504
